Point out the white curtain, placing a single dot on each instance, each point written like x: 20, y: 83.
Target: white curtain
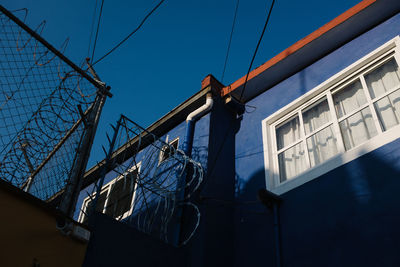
x: 383, y: 79
x: 323, y: 144
x: 288, y: 133
x: 359, y: 127
x: 379, y: 81
x: 291, y: 161
x: 349, y: 98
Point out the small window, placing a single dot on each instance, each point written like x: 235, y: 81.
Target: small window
x: 116, y: 197
x: 169, y: 150
x: 336, y: 122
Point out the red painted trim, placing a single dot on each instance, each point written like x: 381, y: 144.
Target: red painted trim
x: 210, y: 80
x: 298, y: 45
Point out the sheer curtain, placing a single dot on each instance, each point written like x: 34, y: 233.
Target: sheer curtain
x: 292, y: 160
x: 322, y: 145
x: 360, y: 126
x: 382, y: 80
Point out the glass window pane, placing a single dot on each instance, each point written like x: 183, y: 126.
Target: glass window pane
x: 288, y: 133
x: 349, y: 99
x: 291, y: 162
x: 388, y: 110
x: 322, y: 146
x: 383, y: 79
x: 120, y: 197
x: 358, y: 128
x: 99, y: 206
x: 316, y: 116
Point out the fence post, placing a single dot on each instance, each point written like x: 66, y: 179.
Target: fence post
x: 106, y: 166
x: 72, y: 189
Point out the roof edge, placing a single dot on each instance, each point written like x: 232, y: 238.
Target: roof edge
x: 298, y: 45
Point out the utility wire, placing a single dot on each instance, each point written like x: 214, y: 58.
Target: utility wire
x: 97, y: 31
x: 132, y: 33
x: 91, y: 28
x: 232, y: 123
x: 230, y: 40
x: 255, y: 52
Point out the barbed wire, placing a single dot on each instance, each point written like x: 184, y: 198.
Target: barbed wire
x: 159, y: 189
x: 40, y: 123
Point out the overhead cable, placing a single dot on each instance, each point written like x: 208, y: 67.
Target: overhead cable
x: 132, y: 33
x: 91, y: 28
x: 255, y: 52
x: 230, y: 41
x: 97, y: 31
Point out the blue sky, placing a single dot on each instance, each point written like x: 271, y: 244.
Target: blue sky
x: 164, y: 62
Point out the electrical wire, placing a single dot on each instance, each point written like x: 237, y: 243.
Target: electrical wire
x: 97, y: 31
x: 244, y: 87
x: 91, y: 28
x: 255, y: 52
x: 132, y: 33
x: 230, y: 41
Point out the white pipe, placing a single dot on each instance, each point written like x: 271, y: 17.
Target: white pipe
x: 201, y: 110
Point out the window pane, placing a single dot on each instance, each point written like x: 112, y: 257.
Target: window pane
x: 291, y: 162
x: 358, y: 128
x: 99, y: 206
x: 383, y: 79
x: 349, y: 98
x: 288, y: 133
x: 316, y: 116
x: 169, y: 150
x: 322, y: 146
x: 388, y: 110
x: 120, y: 197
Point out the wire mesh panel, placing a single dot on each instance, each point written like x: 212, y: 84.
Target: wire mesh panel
x: 151, y: 186
x: 40, y: 123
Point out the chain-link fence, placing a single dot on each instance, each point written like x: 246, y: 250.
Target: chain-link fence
x: 43, y: 100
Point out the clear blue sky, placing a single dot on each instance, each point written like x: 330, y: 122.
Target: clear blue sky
x: 163, y: 63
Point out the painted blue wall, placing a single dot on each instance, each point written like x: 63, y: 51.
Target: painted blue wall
x: 346, y: 217
x: 199, y: 153
x: 343, y: 217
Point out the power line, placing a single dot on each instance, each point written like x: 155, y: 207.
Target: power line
x: 230, y: 40
x: 133, y: 32
x: 255, y: 52
x: 91, y: 28
x: 232, y: 123
x: 97, y: 31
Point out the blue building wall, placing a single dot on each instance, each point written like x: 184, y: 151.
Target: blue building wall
x: 344, y: 216
x: 199, y: 153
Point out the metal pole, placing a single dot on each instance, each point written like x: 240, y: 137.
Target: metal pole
x: 277, y: 235
x: 72, y: 189
x: 272, y: 202
x: 105, y: 167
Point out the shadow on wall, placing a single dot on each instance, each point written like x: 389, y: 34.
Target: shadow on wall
x: 200, y: 154
x: 254, y: 243
x: 346, y: 217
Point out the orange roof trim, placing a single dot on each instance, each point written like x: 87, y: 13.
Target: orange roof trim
x: 298, y: 45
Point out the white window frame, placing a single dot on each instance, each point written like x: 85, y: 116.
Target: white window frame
x: 107, y: 187
x: 161, y: 156
x: 389, y: 50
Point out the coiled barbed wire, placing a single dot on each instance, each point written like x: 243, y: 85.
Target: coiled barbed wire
x: 40, y: 124
x: 161, y: 188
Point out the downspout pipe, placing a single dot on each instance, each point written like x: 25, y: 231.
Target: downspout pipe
x: 187, y: 149
x: 272, y: 202
x: 191, y: 121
